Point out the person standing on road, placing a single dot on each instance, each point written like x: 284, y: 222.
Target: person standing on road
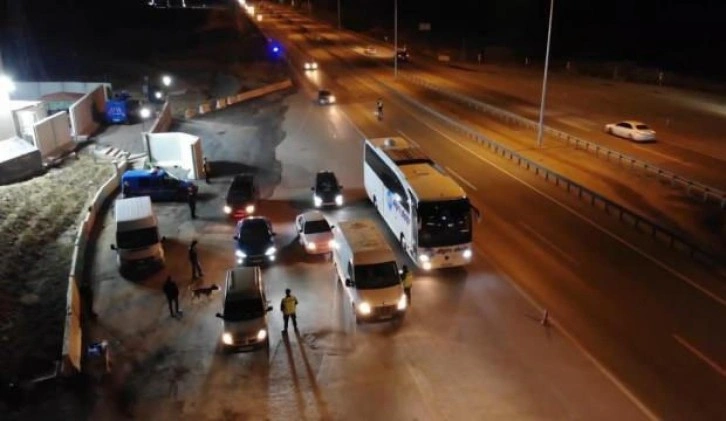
x: 288, y: 306
x: 194, y: 260
x: 207, y: 170
x: 407, y: 280
x: 172, y: 296
x: 192, y: 197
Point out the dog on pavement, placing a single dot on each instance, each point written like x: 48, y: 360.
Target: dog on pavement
x: 206, y: 291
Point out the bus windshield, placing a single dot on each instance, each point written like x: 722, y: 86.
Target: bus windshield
x: 446, y: 223
x: 137, y: 238
x: 379, y: 275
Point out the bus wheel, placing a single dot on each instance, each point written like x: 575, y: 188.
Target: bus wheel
x: 402, y: 240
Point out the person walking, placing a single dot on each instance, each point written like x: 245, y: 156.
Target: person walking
x: 288, y: 305
x: 194, y: 260
x: 407, y: 280
x: 171, y: 290
x: 192, y: 197
x: 207, y: 170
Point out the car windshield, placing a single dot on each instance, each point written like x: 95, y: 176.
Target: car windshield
x: 642, y: 127
x: 137, y: 238
x: 256, y: 229
x: 314, y: 227
x: 326, y: 182
x: 241, y: 190
x: 445, y: 223
x: 239, y: 310
x: 380, y: 275
x: 324, y: 93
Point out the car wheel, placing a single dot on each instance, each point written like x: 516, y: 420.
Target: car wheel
x: 608, y: 130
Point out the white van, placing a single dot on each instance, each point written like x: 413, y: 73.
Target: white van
x: 366, y: 266
x: 138, y: 244
x: 245, y: 308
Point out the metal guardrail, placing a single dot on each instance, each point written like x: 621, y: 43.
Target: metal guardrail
x: 707, y: 193
x: 674, y: 240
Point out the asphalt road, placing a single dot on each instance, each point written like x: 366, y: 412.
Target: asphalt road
x: 652, y: 319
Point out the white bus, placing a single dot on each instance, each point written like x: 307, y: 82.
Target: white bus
x: 426, y: 210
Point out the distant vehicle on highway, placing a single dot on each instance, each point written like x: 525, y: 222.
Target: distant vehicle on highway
x: 371, y: 50
x: 311, y: 65
x: 158, y: 184
x: 254, y: 241
x: 327, y: 191
x: 633, y: 130
x: 316, y: 234
x: 403, y: 55
x: 325, y: 97
x: 242, y: 196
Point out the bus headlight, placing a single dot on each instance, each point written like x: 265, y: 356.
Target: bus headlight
x: 227, y: 338
x: 364, y: 308
x: 261, y: 335
x: 402, y: 303
x: 227, y: 209
x: 467, y: 254
x: 339, y: 200
x: 250, y: 209
x: 271, y: 251
x: 317, y: 201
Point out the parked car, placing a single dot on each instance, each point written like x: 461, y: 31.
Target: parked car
x: 633, y: 130
x: 311, y: 65
x: 156, y: 183
x: 327, y: 191
x: 325, y: 97
x: 254, y: 241
x: 242, y: 196
x: 316, y: 234
x: 245, y: 310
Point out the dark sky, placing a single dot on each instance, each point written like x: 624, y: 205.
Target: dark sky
x: 681, y: 35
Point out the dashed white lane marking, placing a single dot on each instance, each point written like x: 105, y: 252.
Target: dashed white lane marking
x: 552, y: 245
x: 714, y: 365
x: 462, y: 179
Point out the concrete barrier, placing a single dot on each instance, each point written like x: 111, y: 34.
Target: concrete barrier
x: 84, y: 111
x: 244, y: 96
x: 190, y: 113
x: 163, y: 120
x: 72, y: 352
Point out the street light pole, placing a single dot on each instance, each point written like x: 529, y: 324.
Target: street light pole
x: 339, y: 25
x: 540, y: 129
x: 395, y: 38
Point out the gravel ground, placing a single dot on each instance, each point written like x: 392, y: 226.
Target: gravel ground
x: 38, y: 222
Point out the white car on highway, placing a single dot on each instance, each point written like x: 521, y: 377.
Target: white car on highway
x: 371, y: 50
x: 311, y: 65
x: 316, y: 234
x: 633, y: 130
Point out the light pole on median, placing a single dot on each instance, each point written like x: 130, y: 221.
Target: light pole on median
x: 395, y: 38
x: 540, y: 129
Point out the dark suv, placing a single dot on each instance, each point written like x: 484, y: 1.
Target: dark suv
x: 241, y: 196
x: 254, y: 241
x: 327, y: 191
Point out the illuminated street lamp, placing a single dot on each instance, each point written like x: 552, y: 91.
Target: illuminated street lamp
x: 158, y: 95
x: 540, y: 129
x: 166, y: 80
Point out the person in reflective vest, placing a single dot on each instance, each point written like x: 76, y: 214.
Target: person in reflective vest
x: 288, y: 305
x: 407, y: 280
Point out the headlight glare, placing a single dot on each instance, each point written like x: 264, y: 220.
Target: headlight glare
x: 317, y: 201
x: 261, y: 335
x: 364, y: 308
x: 402, y: 303
x: 227, y: 209
x: 227, y: 338
x: 240, y: 254
x: 250, y: 209
x: 310, y: 246
x: 423, y: 258
x: 467, y: 254
x: 270, y: 251
x: 339, y: 200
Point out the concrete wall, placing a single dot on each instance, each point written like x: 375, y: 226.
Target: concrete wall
x: 32, y: 91
x: 73, y: 334
x: 163, y: 121
x: 53, y: 135
x: 18, y: 161
x: 83, y: 111
x: 175, y: 149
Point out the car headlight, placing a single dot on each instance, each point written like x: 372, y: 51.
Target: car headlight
x: 317, y: 201
x: 310, y: 246
x: 227, y: 338
x: 315, y: 66
x: 423, y: 258
x: 364, y: 308
x: 402, y: 303
x: 426, y: 266
x: 227, y: 209
x: 240, y: 254
x: 250, y: 209
x: 331, y: 99
x: 339, y: 200
x: 467, y: 254
x: 270, y: 251
x: 261, y: 335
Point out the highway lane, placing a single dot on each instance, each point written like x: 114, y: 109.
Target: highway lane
x: 630, y: 311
